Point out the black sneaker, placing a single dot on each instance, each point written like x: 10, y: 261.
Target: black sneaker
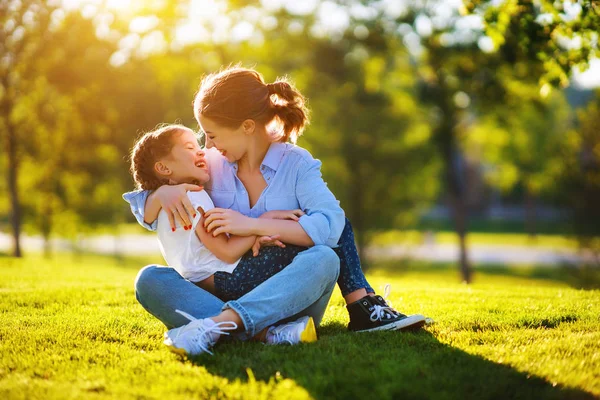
x: 373, y: 314
x: 414, y: 321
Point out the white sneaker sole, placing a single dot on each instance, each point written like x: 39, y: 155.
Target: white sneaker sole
x: 411, y: 322
x: 169, y: 343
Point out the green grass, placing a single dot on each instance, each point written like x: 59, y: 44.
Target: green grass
x: 71, y: 328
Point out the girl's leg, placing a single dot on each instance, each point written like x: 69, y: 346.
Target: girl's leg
x: 303, y: 286
x: 161, y: 291
x: 352, y: 280
x: 252, y: 271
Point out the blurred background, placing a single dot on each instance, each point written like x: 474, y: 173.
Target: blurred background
x: 453, y: 131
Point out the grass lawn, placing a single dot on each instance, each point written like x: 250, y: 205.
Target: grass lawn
x: 71, y: 328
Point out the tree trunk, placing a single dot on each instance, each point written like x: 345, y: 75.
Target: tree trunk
x: 15, y: 215
x: 456, y: 196
x: 46, y: 228
x: 459, y: 216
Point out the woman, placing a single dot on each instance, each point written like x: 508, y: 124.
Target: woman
x: 255, y: 170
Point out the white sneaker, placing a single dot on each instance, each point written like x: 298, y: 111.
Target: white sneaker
x: 302, y: 330
x: 197, y: 336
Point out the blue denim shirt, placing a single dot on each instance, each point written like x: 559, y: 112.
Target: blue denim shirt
x: 293, y: 179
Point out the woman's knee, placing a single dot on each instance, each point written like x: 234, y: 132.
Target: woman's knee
x: 147, y: 279
x: 329, y: 262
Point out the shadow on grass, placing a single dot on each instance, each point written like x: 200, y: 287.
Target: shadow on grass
x: 585, y: 277
x: 382, y: 365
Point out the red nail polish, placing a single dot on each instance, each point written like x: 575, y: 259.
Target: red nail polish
x: 190, y: 227
x: 173, y: 229
x: 194, y: 215
x: 185, y: 227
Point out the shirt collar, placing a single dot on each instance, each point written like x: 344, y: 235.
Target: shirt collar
x: 272, y: 158
x: 274, y: 155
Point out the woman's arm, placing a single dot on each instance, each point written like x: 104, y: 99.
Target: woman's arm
x: 221, y: 220
x: 324, y: 220
x: 229, y: 249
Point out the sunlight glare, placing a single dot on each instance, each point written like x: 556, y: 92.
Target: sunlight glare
x: 118, y: 4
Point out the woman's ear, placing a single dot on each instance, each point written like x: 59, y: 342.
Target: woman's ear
x: 249, y: 125
x: 162, y: 169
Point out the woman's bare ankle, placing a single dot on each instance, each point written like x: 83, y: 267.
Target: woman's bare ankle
x: 228, y: 316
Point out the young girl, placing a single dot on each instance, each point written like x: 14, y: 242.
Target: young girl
x: 171, y: 155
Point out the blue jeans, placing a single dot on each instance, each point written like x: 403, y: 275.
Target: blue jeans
x: 302, y: 288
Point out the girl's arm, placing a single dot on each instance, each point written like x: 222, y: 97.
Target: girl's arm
x: 229, y: 249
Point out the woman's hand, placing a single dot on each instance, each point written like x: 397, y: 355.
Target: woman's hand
x: 294, y: 215
x: 264, y: 241
x: 174, y: 200
x: 222, y: 220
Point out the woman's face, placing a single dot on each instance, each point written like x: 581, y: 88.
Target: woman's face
x: 186, y: 162
x: 232, y: 143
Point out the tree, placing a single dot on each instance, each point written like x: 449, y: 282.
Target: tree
x: 522, y: 143
x: 24, y: 30
x: 580, y: 181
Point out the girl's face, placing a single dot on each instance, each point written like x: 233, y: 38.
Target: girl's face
x: 186, y: 163
x: 232, y: 143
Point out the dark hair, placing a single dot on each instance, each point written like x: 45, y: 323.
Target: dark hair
x: 236, y: 94
x: 148, y: 150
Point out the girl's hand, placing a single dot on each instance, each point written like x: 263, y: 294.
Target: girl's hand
x: 174, y: 200
x: 263, y: 241
x: 222, y: 220
x: 294, y: 215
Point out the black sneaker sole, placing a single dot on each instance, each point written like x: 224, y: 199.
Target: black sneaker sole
x: 411, y: 322
x: 416, y: 321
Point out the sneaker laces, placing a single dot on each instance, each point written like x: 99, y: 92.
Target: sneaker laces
x: 386, y: 292
x: 381, y: 312
x: 204, y: 339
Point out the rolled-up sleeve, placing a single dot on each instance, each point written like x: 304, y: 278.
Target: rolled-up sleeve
x: 324, y: 218
x: 137, y: 202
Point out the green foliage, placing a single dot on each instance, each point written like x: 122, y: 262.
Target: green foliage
x: 558, y: 36
x: 72, y: 329
x: 523, y: 141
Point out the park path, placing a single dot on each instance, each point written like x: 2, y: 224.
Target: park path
x: 137, y: 244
